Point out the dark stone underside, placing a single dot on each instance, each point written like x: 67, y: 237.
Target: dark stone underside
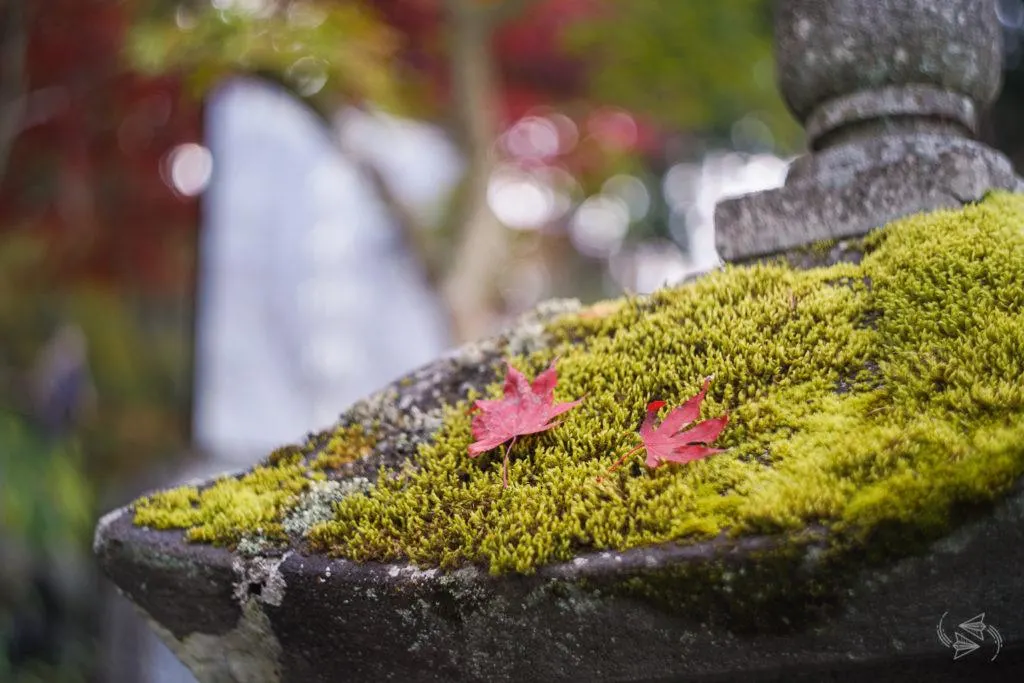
x: 573, y: 622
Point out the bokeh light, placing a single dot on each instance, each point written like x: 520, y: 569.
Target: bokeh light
x: 308, y: 75
x: 188, y: 168
x: 524, y: 200
x: 532, y: 137
x: 305, y: 14
x: 613, y: 129
x: 599, y: 226
x: 632, y: 191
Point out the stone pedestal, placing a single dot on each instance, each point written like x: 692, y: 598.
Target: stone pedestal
x: 889, y: 92
x: 890, y: 95
x: 309, y: 619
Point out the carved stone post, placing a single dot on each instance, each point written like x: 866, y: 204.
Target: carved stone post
x: 890, y: 94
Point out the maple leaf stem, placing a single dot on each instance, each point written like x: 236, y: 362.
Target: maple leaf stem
x: 621, y: 460
x: 504, y: 467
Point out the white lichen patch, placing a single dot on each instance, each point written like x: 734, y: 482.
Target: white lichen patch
x: 253, y: 545
x: 424, y: 422
x: 260, y: 579
x: 316, y: 504
x: 248, y: 653
x: 379, y: 407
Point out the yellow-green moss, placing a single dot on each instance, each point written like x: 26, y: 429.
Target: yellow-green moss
x: 345, y: 446
x: 861, y: 396
x: 868, y: 398
x: 255, y: 504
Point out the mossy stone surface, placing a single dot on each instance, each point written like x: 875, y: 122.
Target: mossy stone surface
x: 875, y: 400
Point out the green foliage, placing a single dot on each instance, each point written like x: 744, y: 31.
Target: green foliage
x: 46, y: 501
x: 319, y: 49
x: 883, y: 395
x: 698, y: 66
x: 139, y: 367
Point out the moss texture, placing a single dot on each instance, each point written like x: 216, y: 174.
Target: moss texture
x: 872, y: 399
x: 254, y: 506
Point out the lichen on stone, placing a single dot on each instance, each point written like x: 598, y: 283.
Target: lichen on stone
x: 529, y: 334
x: 248, y: 511
x: 316, y: 504
x: 874, y: 399
x: 864, y: 397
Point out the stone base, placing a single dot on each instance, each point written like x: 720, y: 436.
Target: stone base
x: 845, y: 191
x: 309, y: 619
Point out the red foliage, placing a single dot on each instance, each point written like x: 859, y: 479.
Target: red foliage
x: 527, y: 408
x: 533, y: 67
x: 85, y: 167
x: 668, y: 443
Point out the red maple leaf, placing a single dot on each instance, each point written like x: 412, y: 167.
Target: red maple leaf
x: 667, y: 443
x: 527, y: 408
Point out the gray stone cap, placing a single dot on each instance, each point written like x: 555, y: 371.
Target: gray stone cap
x: 893, y: 101
x: 844, y: 192
x: 832, y: 49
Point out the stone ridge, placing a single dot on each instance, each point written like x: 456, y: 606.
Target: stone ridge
x: 874, y: 400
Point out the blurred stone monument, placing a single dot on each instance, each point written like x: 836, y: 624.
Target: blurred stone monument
x: 307, y: 297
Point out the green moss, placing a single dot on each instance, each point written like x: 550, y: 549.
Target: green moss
x: 255, y: 505
x: 876, y: 400
x: 344, y: 446
x: 229, y: 509
x: 878, y: 395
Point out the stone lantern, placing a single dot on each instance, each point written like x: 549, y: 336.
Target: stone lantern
x: 865, y: 521
x: 890, y: 95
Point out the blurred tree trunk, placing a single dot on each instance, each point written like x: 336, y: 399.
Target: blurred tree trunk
x: 470, y: 283
x: 468, y: 279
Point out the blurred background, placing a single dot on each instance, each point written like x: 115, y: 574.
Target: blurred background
x: 222, y: 221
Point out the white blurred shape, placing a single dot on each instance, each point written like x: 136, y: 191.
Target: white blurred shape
x: 522, y: 201
x: 417, y: 160
x: 305, y: 14
x: 330, y: 242
x: 308, y: 75
x: 532, y: 137
x: 568, y: 132
x: 305, y: 278
x: 251, y: 7
x: 330, y: 298
x: 651, y: 266
x: 185, y: 20
x: 188, y: 168
x: 681, y: 186
x: 529, y: 284
x: 692, y: 191
x: 328, y: 180
x: 333, y: 357
x: 599, y: 226
x: 658, y: 265
x: 632, y: 191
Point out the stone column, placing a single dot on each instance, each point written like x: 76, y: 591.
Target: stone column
x: 890, y: 94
